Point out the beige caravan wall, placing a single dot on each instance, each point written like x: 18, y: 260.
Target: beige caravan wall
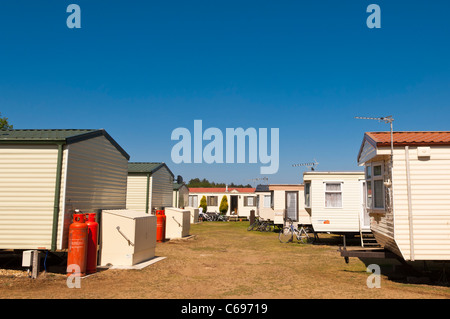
x: 279, y: 200
x: 137, y: 192
x: 27, y: 190
x: 430, y: 199
x: 96, y: 179
x: 345, y: 218
x: 161, y: 189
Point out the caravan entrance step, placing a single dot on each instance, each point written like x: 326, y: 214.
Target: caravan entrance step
x: 369, y: 240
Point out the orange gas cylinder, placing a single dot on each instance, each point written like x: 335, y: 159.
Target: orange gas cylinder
x: 91, y: 263
x: 160, y: 226
x: 78, y: 236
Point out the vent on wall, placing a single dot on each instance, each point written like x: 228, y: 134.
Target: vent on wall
x: 424, y: 152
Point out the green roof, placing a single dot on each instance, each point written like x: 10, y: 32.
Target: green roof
x: 66, y: 136
x: 40, y: 135
x: 146, y: 167
x: 177, y: 186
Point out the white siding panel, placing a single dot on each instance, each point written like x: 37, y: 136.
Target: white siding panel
x: 430, y: 197
x: 345, y: 219
x: 136, y: 192
x: 27, y: 189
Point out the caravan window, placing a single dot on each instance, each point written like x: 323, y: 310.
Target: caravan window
x: 333, y: 195
x: 308, y: 195
x: 375, y: 185
x: 211, y: 201
x: 193, y: 201
x: 249, y: 201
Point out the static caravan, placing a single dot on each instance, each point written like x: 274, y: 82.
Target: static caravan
x: 264, y: 203
x: 150, y: 186
x: 334, y: 201
x: 241, y: 200
x: 288, y: 199
x: 180, y: 195
x: 408, y: 192
x: 46, y: 174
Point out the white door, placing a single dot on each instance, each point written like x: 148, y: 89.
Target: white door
x: 365, y: 218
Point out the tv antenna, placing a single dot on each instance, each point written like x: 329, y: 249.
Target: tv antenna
x: 264, y: 179
x: 387, y: 119
x: 312, y: 166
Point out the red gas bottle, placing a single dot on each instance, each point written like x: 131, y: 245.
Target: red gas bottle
x: 160, y: 226
x: 91, y: 263
x: 78, y: 236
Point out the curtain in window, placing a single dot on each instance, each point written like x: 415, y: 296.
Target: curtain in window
x: 333, y: 195
x: 193, y: 201
x: 333, y: 200
x: 333, y: 187
x: 291, y: 206
x: 378, y: 194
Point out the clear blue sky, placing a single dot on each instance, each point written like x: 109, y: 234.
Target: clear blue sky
x: 140, y: 69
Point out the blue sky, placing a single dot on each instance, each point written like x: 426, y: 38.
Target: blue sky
x: 141, y: 69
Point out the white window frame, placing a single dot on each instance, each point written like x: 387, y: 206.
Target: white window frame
x: 372, y: 180
x: 309, y: 204
x: 191, y: 200
x: 325, y: 192
x: 246, y: 204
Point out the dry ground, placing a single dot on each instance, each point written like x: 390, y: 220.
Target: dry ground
x: 225, y: 261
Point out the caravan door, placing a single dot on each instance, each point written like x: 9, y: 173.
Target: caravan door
x: 365, y: 218
x: 292, y: 206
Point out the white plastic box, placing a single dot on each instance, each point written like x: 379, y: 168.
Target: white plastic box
x: 194, y: 214
x: 127, y: 237
x: 178, y: 222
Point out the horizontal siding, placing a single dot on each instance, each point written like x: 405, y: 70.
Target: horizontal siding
x: 136, y: 192
x: 280, y: 204
x: 96, y: 179
x: 161, y: 189
x: 27, y: 190
x: 430, y: 197
x: 345, y: 219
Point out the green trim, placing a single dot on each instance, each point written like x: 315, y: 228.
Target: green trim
x: 57, y: 196
x: 148, y: 193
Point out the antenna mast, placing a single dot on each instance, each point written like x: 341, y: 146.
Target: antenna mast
x: 387, y: 119
x: 312, y: 166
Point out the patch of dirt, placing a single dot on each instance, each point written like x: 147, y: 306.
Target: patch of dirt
x: 223, y: 261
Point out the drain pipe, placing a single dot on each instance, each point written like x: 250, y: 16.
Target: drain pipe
x: 57, y: 196
x: 148, y: 193
x: 410, y: 213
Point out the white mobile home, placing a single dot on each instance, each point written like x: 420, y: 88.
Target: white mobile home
x: 241, y: 200
x: 408, y: 198
x: 150, y: 186
x: 264, y: 202
x: 46, y: 174
x: 334, y: 201
x: 289, y: 199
